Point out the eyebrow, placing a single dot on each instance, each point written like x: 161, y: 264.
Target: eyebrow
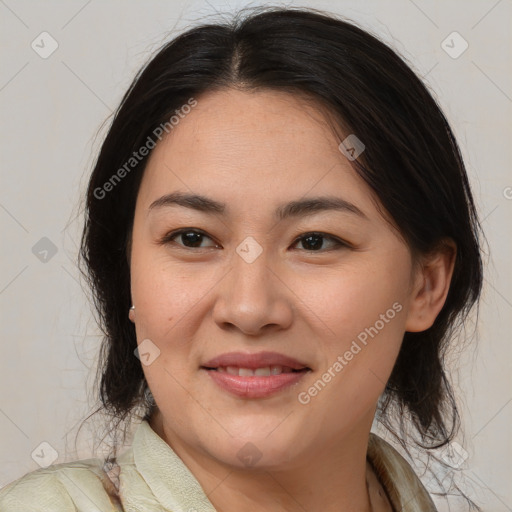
x: 299, y: 208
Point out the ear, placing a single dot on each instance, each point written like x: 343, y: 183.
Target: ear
x: 432, y: 280
x: 131, y: 315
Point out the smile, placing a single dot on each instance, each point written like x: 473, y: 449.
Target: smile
x: 264, y: 371
x: 255, y: 383
x: 254, y: 375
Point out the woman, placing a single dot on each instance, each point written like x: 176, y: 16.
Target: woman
x: 281, y: 239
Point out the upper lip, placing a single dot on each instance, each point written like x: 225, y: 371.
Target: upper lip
x: 253, y: 361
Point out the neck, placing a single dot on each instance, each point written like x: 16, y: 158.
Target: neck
x: 331, y: 477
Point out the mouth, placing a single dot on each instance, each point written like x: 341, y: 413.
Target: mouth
x: 254, y: 375
x: 264, y: 371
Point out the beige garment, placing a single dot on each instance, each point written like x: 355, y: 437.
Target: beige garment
x: 152, y: 478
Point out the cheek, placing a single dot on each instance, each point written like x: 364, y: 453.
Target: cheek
x: 354, y: 300
x: 357, y: 359
x: 166, y: 296
x: 166, y: 292
x: 362, y: 313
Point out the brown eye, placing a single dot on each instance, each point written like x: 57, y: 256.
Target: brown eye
x: 189, y: 238
x: 312, y: 242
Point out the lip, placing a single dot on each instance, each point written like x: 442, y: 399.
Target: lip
x: 253, y: 361
x: 255, y: 386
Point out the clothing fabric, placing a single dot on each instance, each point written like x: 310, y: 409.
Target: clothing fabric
x: 152, y: 478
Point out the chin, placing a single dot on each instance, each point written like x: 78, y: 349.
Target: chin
x: 253, y: 455
x: 258, y: 447
x: 262, y: 427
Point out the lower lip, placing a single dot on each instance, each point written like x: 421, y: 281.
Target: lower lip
x: 255, y: 387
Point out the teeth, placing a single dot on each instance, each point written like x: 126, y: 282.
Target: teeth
x: 265, y: 371
x: 276, y: 370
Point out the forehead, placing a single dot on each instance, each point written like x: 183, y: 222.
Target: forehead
x: 258, y: 146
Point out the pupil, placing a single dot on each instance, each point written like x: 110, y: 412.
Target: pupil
x: 314, y: 245
x: 193, y: 238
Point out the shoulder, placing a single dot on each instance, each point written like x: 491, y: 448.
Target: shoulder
x: 73, y: 486
x: 404, y: 488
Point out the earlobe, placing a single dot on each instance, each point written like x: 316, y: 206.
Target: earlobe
x: 433, y: 278
x: 131, y: 314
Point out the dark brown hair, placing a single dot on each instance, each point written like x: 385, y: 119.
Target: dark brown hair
x: 411, y: 161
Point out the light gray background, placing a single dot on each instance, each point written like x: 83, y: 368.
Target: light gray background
x: 51, y: 111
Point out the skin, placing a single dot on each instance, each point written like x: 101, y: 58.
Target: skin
x: 255, y: 151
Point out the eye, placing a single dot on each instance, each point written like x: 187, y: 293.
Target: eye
x: 193, y: 238
x: 190, y: 238
x: 314, y: 241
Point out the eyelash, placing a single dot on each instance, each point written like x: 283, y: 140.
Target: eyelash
x: 339, y: 244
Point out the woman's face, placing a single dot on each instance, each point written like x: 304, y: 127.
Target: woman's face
x: 245, y: 278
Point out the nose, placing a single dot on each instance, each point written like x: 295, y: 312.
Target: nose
x: 253, y: 298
